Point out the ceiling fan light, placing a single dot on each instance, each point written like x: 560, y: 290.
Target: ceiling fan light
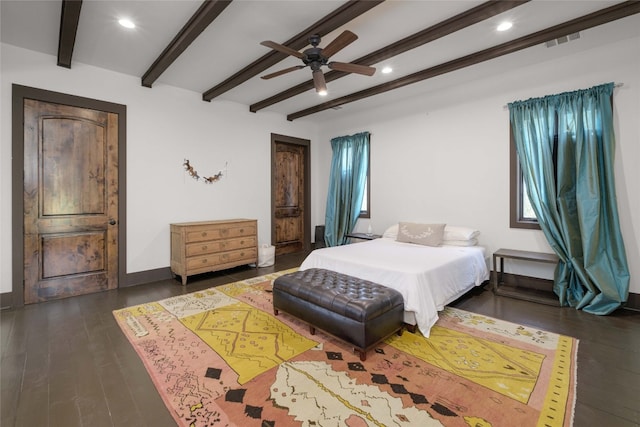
x: 319, y: 82
x: 504, y: 26
x: 127, y: 23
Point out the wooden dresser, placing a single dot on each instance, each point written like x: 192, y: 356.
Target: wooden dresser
x: 201, y: 247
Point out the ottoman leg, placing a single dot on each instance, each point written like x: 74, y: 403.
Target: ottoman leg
x: 312, y: 330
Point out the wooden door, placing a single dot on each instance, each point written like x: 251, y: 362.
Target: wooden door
x: 70, y: 201
x: 290, y: 198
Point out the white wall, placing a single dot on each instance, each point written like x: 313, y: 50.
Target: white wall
x: 441, y: 156
x: 165, y: 125
x: 444, y: 156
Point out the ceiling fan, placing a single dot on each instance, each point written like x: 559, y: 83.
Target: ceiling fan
x: 315, y: 57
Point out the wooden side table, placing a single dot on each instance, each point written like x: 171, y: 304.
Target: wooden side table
x: 529, y: 294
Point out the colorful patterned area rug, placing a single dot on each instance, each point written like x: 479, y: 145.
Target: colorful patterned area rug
x: 220, y: 357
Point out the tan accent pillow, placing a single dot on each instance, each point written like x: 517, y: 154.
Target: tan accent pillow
x: 421, y: 234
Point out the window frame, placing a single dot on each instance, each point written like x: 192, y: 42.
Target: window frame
x: 516, y: 194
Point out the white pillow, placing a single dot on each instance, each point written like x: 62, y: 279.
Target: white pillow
x: 391, y: 232
x: 470, y: 242
x: 453, y: 232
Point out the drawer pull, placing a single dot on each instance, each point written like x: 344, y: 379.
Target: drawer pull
x: 204, y: 234
x: 204, y: 261
x: 242, y: 230
x: 205, y: 247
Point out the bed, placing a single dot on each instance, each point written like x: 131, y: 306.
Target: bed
x: 428, y: 277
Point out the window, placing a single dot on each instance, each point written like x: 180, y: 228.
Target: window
x: 521, y: 212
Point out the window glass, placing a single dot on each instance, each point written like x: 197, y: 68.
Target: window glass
x: 365, y: 209
x: 521, y: 212
x: 527, y: 210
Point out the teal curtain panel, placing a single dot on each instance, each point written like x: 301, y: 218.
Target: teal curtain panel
x: 346, y: 186
x: 565, y: 145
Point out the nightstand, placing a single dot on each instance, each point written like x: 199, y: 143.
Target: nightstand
x: 363, y: 236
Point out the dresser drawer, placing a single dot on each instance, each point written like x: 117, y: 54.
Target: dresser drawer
x: 212, y: 260
x: 217, y: 232
x: 213, y: 246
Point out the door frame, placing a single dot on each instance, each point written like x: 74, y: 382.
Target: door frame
x: 306, y: 144
x: 19, y: 94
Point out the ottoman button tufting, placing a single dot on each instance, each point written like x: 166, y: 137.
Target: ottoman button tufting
x: 358, y: 311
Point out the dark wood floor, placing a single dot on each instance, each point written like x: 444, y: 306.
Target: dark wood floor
x: 66, y: 363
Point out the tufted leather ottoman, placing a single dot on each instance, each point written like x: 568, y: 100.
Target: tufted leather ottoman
x: 360, y: 312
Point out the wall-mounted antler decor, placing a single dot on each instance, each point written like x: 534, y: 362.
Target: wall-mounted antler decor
x: 194, y: 174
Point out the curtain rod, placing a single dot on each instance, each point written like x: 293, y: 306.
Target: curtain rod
x: 506, y: 107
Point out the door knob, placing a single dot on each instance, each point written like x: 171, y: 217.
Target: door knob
x: 112, y: 221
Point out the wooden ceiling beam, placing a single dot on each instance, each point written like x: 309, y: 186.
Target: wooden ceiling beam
x: 448, y: 26
x: 69, y: 18
x: 324, y: 26
x: 205, y: 15
x: 603, y: 16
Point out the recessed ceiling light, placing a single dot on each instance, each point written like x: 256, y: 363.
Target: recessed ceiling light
x: 504, y: 26
x: 127, y: 23
x: 387, y: 70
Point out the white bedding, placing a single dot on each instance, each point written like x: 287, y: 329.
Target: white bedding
x: 427, y: 277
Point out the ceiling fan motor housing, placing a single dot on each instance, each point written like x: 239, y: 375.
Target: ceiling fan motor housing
x: 314, y: 58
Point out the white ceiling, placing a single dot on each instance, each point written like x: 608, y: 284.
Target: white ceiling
x: 232, y: 41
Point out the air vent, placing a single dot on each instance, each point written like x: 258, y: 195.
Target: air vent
x: 563, y: 39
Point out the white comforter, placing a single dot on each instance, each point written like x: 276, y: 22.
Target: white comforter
x: 427, y: 277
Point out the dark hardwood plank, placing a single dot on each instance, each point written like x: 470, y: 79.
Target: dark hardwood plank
x: 35, y: 381
x: 11, y: 374
x: 70, y: 360
x: 588, y: 416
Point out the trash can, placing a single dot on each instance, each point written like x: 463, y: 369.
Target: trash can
x: 266, y: 255
x: 319, y: 237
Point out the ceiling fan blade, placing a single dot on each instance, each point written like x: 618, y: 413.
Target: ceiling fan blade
x: 319, y: 82
x: 281, y: 72
x: 352, y: 68
x: 282, y: 48
x: 339, y: 43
